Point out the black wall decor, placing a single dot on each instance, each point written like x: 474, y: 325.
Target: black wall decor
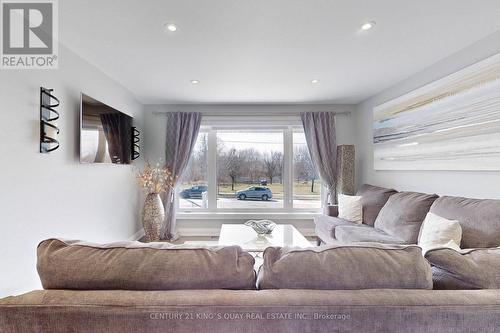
x: 135, y: 143
x: 48, y: 121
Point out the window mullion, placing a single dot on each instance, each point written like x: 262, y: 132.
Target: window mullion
x: 288, y: 169
x: 212, y: 170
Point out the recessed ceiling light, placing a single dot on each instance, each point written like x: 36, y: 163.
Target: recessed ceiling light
x: 170, y: 27
x: 368, y: 25
x: 195, y: 81
x: 314, y: 81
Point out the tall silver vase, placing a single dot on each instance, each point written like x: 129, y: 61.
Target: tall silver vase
x: 153, y: 215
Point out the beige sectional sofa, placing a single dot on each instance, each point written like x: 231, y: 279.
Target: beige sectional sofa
x: 369, y: 280
x: 393, y: 217
x: 155, y: 287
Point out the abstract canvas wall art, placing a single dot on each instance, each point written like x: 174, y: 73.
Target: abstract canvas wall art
x: 450, y: 124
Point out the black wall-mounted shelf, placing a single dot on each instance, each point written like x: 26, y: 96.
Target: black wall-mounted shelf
x: 135, y: 143
x: 48, y: 115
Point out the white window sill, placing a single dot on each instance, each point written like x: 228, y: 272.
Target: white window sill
x: 246, y: 215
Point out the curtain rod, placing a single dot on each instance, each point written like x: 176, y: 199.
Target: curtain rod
x: 287, y: 114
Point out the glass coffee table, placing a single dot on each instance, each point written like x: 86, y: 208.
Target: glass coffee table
x: 249, y: 240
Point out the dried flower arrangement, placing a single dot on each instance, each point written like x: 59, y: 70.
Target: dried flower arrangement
x: 155, y: 179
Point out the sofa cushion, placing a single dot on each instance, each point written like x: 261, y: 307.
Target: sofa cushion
x: 438, y: 232
x: 472, y: 269
x: 355, y: 234
x: 324, y: 226
x: 403, y: 215
x: 373, y: 199
x: 329, y: 223
x: 350, y: 208
x: 480, y: 219
x: 370, y: 266
x: 142, y: 266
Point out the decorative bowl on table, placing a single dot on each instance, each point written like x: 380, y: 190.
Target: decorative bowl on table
x: 261, y: 227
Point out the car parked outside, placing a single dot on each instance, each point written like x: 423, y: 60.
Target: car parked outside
x: 193, y: 192
x: 255, y: 192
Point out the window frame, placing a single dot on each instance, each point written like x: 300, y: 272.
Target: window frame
x: 287, y: 210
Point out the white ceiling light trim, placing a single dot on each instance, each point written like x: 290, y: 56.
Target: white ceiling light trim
x: 368, y: 25
x: 171, y: 27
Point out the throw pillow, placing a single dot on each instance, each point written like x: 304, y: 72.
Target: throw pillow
x: 350, y: 208
x: 374, y: 198
x: 403, y: 214
x: 438, y: 232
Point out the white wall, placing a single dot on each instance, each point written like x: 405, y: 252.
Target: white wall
x: 463, y: 183
x: 154, y: 141
x: 52, y: 195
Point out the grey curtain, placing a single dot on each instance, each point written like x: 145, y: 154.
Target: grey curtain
x: 182, y: 132
x: 319, y: 129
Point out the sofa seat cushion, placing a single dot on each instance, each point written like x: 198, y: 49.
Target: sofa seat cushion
x: 467, y: 269
x: 479, y: 219
x: 373, y: 198
x: 324, y: 226
x: 360, y: 266
x: 142, y: 266
x: 354, y: 234
x: 403, y: 215
x: 328, y: 223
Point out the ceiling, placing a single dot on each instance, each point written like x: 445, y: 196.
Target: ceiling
x: 268, y: 51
